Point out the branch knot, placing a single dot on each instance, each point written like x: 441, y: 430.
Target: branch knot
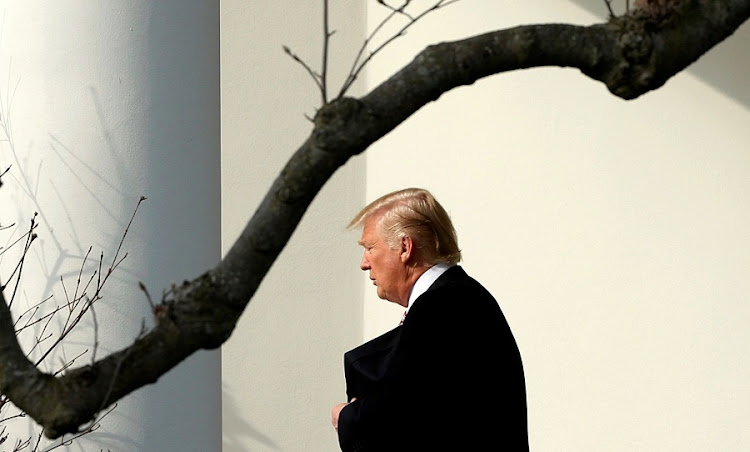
x: 340, y: 127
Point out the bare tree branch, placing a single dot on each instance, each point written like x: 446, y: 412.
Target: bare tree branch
x: 631, y: 55
x: 29, y: 238
x: 609, y: 7
x: 321, y: 79
x: 317, y: 78
x: 324, y: 65
x: 359, y: 63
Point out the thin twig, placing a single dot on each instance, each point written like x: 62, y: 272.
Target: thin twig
x: 127, y: 228
x: 324, y: 65
x: 96, y: 332
x: 354, y: 71
x: 80, y: 272
x: 15, y: 416
x: 20, y: 445
x: 5, y: 171
x: 30, y: 237
x: 73, y: 318
x: 148, y: 295
x: 316, y: 77
x: 609, y: 7
x: 10, y: 245
x: 69, y: 363
x: 93, y: 426
x: 38, y: 440
x: 358, y: 66
x: 400, y: 10
x: 34, y: 308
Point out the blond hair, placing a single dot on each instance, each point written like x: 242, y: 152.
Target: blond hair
x: 414, y: 212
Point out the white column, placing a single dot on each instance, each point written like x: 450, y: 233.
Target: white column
x: 112, y: 101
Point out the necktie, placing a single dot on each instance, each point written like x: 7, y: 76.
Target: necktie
x: 403, y: 317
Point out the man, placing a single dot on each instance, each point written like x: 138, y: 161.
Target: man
x: 449, y: 378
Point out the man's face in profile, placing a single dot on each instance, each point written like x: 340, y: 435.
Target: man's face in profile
x: 387, y: 272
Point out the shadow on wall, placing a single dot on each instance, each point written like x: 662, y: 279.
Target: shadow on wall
x: 237, y: 432
x: 725, y: 67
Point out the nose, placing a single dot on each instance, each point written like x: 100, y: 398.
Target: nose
x: 364, y: 264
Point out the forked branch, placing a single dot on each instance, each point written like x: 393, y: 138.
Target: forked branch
x: 78, y: 303
x: 359, y: 63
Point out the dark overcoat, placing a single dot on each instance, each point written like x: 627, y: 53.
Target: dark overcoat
x: 449, y: 378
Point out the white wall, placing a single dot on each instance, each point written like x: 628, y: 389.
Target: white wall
x: 282, y: 368
x: 614, y: 235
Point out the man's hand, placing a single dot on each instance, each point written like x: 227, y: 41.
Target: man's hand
x: 335, y: 412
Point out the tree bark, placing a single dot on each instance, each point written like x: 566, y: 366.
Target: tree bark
x: 631, y: 55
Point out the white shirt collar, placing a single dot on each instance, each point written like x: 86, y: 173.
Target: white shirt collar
x: 424, y: 282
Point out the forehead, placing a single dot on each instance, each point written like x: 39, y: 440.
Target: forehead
x: 370, y: 231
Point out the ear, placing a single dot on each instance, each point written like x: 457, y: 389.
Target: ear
x: 407, y: 248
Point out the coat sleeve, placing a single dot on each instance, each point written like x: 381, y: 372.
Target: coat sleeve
x: 394, y: 386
